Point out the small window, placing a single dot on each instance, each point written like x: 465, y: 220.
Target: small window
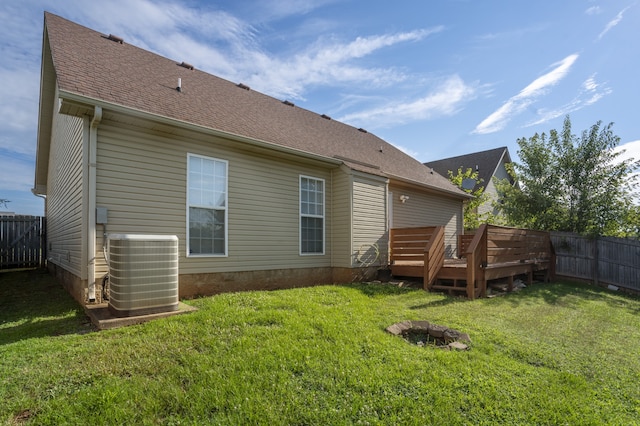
x: 207, y: 206
x: 311, y: 215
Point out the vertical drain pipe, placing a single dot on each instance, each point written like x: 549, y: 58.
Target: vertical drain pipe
x: 91, y: 231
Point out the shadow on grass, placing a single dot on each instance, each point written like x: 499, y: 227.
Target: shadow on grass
x: 388, y: 289
x: 564, y: 293
x: 33, y: 304
x: 447, y: 300
x: 567, y: 293
x: 381, y: 289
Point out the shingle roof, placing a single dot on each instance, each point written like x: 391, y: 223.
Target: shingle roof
x: 485, y: 162
x: 90, y: 65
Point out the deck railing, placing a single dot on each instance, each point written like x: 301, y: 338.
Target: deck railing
x: 492, y: 252
x: 434, y: 256
x: 417, y: 252
x: 500, y: 247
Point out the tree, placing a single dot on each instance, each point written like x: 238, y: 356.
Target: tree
x: 4, y: 202
x: 630, y: 224
x: 472, y: 219
x: 571, y: 183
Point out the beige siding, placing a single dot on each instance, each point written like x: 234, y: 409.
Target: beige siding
x: 142, y: 182
x: 490, y: 189
x: 65, y: 195
x: 341, y: 218
x: 487, y: 207
x: 370, y: 235
x: 428, y: 209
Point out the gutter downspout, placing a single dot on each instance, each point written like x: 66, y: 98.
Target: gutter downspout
x: 91, y: 188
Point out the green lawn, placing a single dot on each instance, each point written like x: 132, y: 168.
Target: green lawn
x: 551, y: 354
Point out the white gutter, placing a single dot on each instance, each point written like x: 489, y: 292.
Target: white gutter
x: 91, y: 189
x: 458, y: 193
x: 195, y: 127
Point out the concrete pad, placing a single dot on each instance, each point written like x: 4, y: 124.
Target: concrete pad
x: 103, y: 319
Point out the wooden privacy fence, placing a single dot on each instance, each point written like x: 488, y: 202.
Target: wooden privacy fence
x: 603, y: 260
x: 22, y: 242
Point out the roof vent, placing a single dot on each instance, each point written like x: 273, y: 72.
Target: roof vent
x: 116, y: 38
x: 243, y: 86
x: 362, y: 130
x: 288, y: 103
x: 186, y: 65
x: 325, y: 116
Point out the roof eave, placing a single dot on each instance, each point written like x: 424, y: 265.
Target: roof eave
x: 75, y: 100
x: 45, y: 116
x: 454, y: 192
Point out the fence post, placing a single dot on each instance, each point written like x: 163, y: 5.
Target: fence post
x: 596, y: 260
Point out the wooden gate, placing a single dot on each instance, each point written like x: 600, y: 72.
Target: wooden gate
x: 22, y: 242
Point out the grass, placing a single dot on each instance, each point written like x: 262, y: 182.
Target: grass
x: 557, y: 353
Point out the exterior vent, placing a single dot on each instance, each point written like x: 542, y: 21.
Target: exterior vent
x: 325, y: 116
x: 362, y: 130
x: 116, y: 38
x: 288, y: 103
x: 143, y: 274
x: 243, y: 86
x: 186, y: 65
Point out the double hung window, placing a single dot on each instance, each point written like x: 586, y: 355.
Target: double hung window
x: 207, y: 206
x: 311, y: 215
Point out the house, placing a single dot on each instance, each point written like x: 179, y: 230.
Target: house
x: 261, y: 194
x: 489, y: 164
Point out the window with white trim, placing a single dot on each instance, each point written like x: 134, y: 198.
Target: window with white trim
x: 311, y: 215
x: 206, y: 206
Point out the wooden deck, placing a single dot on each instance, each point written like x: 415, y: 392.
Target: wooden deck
x: 417, y: 252
x: 492, y: 252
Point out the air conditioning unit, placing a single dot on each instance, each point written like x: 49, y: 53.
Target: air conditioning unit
x: 143, y: 274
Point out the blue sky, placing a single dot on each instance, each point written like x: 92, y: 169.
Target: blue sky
x: 435, y: 78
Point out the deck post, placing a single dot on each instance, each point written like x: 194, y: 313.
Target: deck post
x: 483, y: 287
x: 426, y: 280
x: 471, y: 275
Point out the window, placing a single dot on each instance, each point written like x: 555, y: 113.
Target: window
x: 311, y: 215
x: 207, y: 206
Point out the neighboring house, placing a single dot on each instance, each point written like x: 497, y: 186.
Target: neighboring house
x: 489, y: 165
x: 260, y: 193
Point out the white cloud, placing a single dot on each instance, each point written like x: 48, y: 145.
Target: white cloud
x: 539, y: 85
x: 406, y: 150
x: 517, y: 33
x: 326, y: 62
x: 593, y: 10
x: 219, y: 43
x: 273, y: 10
x: 590, y: 84
x: 591, y: 92
x: 497, y: 120
x: 629, y: 150
x: 615, y: 21
x: 212, y: 40
x: 446, y: 99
